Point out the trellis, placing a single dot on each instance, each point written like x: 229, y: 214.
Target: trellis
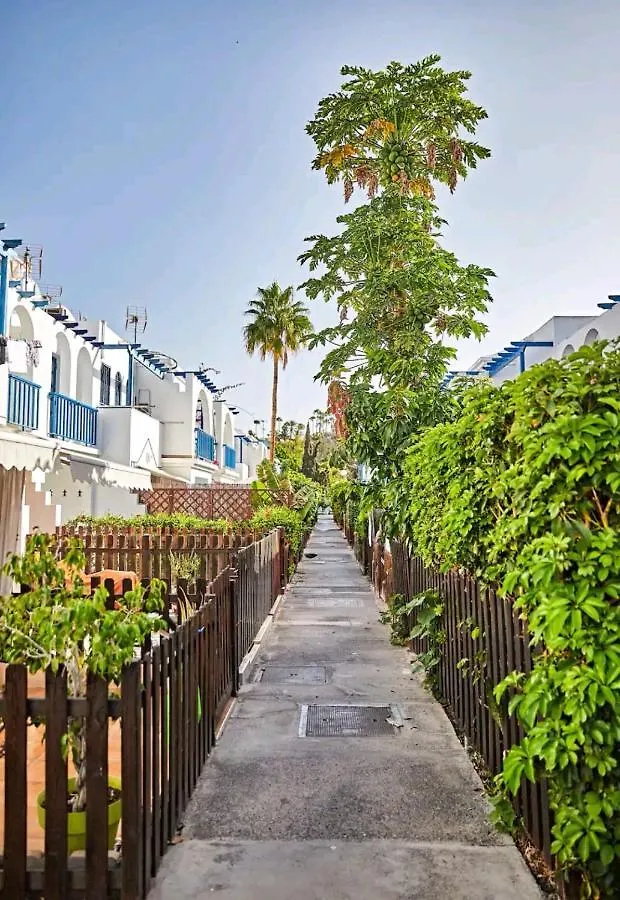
x: 209, y: 502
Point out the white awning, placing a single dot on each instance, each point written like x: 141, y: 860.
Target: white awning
x: 100, y: 471
x: 126, y: 477
x: 25, y: 451
x: 85, y: 470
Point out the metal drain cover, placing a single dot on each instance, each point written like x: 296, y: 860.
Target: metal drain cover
x: 334, y: 602
x: 294, y: 674
x: 347, y: 721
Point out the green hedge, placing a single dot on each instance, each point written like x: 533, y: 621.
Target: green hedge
x: 268, y: 517
x: 264, y: 519
x: 176, y: 521
x: 523, y: 489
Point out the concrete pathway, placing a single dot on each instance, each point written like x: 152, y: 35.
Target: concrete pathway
x: 394, y: 816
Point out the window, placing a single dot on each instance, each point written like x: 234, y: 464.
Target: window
x: 118, y: 390
x: 104, y: 394
x: 55, y: 373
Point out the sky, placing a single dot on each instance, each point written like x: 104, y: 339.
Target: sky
x: 157, y: 151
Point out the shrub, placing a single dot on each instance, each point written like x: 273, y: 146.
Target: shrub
x: 269, y: 517
x: 56, y: 624
x: 523, y: 489
x: 175, y: 521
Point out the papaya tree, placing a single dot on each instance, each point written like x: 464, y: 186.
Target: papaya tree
x: 405, y: 126
x: 403, y: 299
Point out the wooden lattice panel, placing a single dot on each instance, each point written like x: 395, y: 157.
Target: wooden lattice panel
x: 206, y: 502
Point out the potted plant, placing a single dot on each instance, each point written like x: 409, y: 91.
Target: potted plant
x: 183, y: 567
x: 57, y: 624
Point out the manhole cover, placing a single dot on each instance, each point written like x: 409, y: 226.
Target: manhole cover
x: 334, y: 602
x: 345, y: 589
x: 347, y: 721
x: 294, y: 674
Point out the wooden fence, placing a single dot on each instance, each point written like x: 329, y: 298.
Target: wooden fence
x: 260, y: 573
x: 147, y: 552
x: 171, y: 700
x: 471, y: 667
x: 210, y: 501
x: 484, y: 641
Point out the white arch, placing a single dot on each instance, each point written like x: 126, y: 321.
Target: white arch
x: 22, y: 329
x: 568, y: 350
x: 63, y: 355
x: 205, y: 408
x: 84, y: 384
x: 591, y: 337
x: 229, y: 432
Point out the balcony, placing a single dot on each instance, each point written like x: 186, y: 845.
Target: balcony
x: 71, y: 420
x: 23, y: 407
x: 204, y: 445
x: 230, y: 457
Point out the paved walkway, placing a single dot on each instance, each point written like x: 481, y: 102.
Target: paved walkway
x: 392, y: 816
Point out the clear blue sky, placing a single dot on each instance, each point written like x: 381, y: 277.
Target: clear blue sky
x: 157, y: 151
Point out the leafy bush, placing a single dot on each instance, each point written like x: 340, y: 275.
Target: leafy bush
x: 56, y: 623
x: 347, y: 502
x: 175, y: 521
x: 523, y: 489
x: 269, y: 517
x: 293, y: 489
x: 339, y: 492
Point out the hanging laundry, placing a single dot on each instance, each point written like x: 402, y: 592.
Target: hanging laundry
x: 32, y: 352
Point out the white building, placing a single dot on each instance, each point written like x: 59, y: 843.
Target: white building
x: 87, y: 419
x: 558, y: 337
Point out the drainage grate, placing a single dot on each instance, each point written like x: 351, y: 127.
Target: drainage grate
x: 294, y: 674
x: 332, y: 602
x: 347, y: 721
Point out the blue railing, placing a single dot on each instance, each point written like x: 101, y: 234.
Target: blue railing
x: 204, y: 444
x: 71, y: 420
x: 23, y: 402
x: 230, y: 457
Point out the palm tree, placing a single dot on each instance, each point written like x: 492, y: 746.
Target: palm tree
x: 279, y: 325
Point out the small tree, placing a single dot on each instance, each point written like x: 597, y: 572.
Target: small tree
x: 308, y: 463
x: 57, y: 625
x: 278, y: 326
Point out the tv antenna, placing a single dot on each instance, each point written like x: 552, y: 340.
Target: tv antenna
x: 227, y: 387
x: 31, y: 256
x: 50, y: 292
x: 136, y: 318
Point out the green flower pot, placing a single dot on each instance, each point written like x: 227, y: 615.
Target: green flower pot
x: 76, y: 821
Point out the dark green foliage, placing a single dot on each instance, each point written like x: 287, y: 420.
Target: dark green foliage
x: 523, y: 488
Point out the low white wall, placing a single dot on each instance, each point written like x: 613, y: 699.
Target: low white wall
x: 129, y: 436
x: 114, y: 501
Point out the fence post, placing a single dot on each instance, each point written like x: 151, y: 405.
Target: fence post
x: 131, y: 780
x: 281, y: 562
x: 232, y: 599
x: 56, y: 875
x: 15, y: 787
x: 97, y: 788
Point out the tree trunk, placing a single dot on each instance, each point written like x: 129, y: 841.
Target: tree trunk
x: 274, y: 410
